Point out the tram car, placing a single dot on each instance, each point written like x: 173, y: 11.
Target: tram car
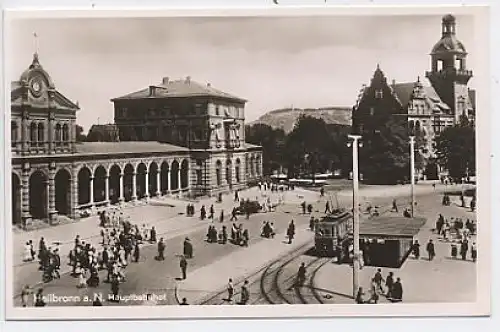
x: 331, y: 235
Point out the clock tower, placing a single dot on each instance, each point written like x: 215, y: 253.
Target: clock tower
x: 449, y: 75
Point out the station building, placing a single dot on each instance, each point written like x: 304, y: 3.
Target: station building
x: 178, y: 138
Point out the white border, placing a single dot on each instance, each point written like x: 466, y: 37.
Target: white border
x: 480, y: 307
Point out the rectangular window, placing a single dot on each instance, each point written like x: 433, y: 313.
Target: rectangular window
x: 379, y: 94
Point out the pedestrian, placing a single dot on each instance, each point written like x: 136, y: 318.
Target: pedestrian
x: 224, y: 235
x: 136, y: 252
x: 236, y: 196
x: 327, y: 207
x: 188, y: 248
x: 25, y: 293
x: 246, y: 237
x: 221, y: 216
x: 39, y: 300
x: 360, y: 296
x: 474, y: 252
x: 27, y: 253
x: 184, y: 301
x: 464, y: 247
x: 394, y: 206
x: 245, y: 295
x: 115, y: 289
x: 389, y: 283
x: 290, y: 232
x: 183, y: 264
x: 303, y: 205
x: 203, y: 213
x: 301, y: 275
x: 33, y: 253
x: 378, y: 279
x: 230, y: 290
x: 430, y: 250
x: 161, y: 250
x: 374, y: 293
x: 454, y: 250
x: 233, y: 214
x: 212, y: 212
x: 416, y: 249
x: 152, y: 237
x: 397, y: 291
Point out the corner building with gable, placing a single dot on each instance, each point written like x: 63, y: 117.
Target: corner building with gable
x: 426, y: 109
x: 179, y: 138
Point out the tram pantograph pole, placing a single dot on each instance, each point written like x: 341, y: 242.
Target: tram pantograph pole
x: 412, y: 173
x: 355, y: 210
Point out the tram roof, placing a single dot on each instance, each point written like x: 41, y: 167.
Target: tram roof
x: 391, y: 226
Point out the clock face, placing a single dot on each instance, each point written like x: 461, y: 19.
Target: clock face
x: 36, y: 87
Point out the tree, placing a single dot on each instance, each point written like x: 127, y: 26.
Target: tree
x: 272, y: 142
x: 313, y: 146
x: 80, y: 136
x: 384, y: 157
x: 456, y: 149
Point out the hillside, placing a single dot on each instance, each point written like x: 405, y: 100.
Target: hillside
x: 287, y: 117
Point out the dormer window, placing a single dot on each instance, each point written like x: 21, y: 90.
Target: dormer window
x: 372, y: 111
x: 379, y: 94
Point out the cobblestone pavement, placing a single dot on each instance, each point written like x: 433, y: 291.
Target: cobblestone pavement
x: 441, y: 280
x: 149, y: 275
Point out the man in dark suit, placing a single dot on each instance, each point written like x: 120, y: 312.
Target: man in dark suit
x: 183, y: 265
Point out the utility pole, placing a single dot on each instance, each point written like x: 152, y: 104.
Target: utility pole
x: 412, y: 173
x: 355, y: 227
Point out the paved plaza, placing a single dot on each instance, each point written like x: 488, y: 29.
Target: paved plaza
x: 212, y: 264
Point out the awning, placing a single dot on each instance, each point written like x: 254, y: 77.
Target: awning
x: 393, y: 227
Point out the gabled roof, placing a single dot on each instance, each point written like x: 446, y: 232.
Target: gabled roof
x: 61, y: 101
x: 404, y: 93
x: 35, y: 70
x: 179, y: 89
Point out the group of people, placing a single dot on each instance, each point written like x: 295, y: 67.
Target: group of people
x: 49, y: 259
x: 239, y: 235
x: 393, y: 289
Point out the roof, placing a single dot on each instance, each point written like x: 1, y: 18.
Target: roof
x: 126, y: 147
x: 448, y: 43
x: 391, y: 226
x: 404, y: 93
x: 179, y: 89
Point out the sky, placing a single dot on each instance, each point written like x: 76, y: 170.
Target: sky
x: 272, y: 62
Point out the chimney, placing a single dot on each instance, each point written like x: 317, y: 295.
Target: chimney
x: 152, y: 90
x: 165, y: 80
x: 393, y: 82
x: 209, y: 85
x: 188, y: 79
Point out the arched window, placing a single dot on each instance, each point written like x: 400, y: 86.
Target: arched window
x: 33, y: 133
x: 218, y: 170
x: 41, y: 132
x: 237, y: 170
x: 13, y: 132
x: 57, y: 137
x: 65, y: 133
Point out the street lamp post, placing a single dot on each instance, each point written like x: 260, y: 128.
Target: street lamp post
x: 355, y: 227
x: 412, y: 173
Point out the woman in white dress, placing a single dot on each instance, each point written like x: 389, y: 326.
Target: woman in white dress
x: 27, y: 252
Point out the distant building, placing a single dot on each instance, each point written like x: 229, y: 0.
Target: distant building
x: 426, y: 110
x: 103, y: 133
x: 54, y: 176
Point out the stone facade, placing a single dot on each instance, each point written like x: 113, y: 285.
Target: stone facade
x: 427, y: 110
x: 54, y: 176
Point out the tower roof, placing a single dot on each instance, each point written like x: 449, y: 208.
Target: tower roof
x: 448, y: 42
